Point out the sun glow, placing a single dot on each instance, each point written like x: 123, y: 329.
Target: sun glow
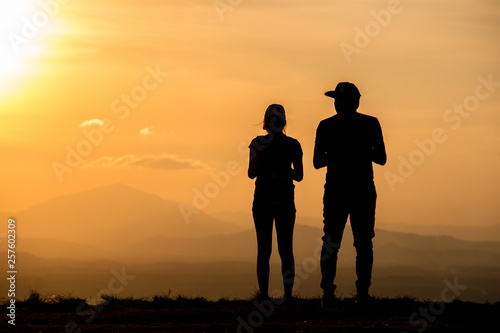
x: 22, y: 24
x: 12, y: 14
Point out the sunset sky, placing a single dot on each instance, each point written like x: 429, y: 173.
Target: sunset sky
x: 163, y: 95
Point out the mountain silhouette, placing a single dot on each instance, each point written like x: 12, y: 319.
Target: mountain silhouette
x: 110, y: 216
x: 121, y: 223
x: 471, y: 233
x: 391, y: 248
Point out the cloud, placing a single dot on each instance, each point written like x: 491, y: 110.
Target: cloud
x: 92, y: 122
x: 147, y: 131
x: 163, y: 161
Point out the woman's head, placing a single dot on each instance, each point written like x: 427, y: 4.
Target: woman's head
x: 274, y: 119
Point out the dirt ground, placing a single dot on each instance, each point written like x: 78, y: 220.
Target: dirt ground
x: 243, y: 316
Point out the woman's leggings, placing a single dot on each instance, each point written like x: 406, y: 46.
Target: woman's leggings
x: 284, y: 216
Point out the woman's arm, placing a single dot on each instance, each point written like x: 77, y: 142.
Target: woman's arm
x: 252, y: 164
x: 298, y: 169
x: 297, y: 165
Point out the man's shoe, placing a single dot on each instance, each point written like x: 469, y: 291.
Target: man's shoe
x: 364, y: 299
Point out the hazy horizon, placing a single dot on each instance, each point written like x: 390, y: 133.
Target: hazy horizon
x: 84, y: 224
x: 212, y: 256
x: 227, y: 214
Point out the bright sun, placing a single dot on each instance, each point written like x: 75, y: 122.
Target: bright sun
x: 11, y: 13
x: 15, y: 42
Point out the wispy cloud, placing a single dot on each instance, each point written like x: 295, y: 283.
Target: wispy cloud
x: 163, y: 161
x: 147, y: 131
x: 91, y: 122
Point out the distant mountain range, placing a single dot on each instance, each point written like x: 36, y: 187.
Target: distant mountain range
x: 121, y: 223
x: 391, y: 248
x: 473, y: 233
x: 111, y: 216
x: 74, y: 242
x: 470, y: 233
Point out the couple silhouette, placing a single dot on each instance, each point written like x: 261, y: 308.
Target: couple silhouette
x: 347, y: 144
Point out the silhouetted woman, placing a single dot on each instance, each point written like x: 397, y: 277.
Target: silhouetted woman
x: 276, y: 161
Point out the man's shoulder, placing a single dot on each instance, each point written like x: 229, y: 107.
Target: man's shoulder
x: 358, y: 115
x: 328, y: 121
x: 366, y: 117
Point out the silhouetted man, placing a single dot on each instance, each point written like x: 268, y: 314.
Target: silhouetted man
x: 347, y: 144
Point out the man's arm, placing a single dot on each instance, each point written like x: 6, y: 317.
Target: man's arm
x: 379, y: 155
x: 319, y: 157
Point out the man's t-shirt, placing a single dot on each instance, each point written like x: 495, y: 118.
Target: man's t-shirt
x: 348, y: 141
x: 275, y: 153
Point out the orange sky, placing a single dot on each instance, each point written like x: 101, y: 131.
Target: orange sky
x: 162, y: 95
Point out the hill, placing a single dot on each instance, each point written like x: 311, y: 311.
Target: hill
x: 121, y: 223
x: 391, y: 248
x: 80, y: 238
x: 110, y: 216
x: 471, y: 233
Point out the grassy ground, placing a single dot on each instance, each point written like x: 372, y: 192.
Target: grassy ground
x: 167, y: 313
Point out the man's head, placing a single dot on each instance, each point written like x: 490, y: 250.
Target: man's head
x: 346, y: 97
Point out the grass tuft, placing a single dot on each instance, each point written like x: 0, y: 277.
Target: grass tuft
x: 123, y: 301
x: 66, y: 300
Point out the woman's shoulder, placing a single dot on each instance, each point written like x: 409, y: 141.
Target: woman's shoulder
x: 294, y: 144
x: 258, y: 140
x: 267, y: 139
x: 292, y: 140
